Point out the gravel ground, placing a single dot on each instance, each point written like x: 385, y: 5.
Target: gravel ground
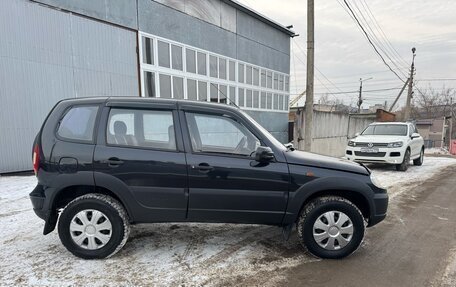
x: 164, y: 254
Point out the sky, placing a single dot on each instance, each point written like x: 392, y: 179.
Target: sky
x: 343, y: 54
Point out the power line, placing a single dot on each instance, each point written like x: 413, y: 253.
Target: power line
x: 370, y: 41
x: 375, y: 39
x: 385, y: 37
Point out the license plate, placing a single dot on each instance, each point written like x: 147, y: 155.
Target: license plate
x: 369, y: 150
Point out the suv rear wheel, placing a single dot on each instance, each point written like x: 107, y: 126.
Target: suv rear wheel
x: 93, y: 226
x: 331, y: 227
x: 419, y: 161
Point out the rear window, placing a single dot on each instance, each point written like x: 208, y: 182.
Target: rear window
x: 78, y: 123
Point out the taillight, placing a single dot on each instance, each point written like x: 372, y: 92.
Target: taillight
x: 36, y: 158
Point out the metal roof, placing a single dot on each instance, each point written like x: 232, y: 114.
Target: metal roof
x: 259, y: 16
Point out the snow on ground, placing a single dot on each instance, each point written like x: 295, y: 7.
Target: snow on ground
x: 436, y: 150
x: 161, y: 254
x: 398, y: 182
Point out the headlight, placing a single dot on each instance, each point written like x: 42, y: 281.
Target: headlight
x: 351, y: 143
x: 395, y: 144
x: 376, y: 181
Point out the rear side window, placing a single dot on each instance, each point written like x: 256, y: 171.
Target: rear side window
x: 78, y: 123
x: 141, y: 128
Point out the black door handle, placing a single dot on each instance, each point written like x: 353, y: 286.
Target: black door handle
x: 203, y: 167
x: 114, y: 161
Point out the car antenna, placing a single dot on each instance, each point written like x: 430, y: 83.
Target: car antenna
x: 227, y: 98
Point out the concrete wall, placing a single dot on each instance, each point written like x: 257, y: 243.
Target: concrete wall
x: 330, y: 132
x: 49, y: 55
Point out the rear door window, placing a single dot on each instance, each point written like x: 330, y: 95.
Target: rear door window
x: 141, y: 128
x: 78, y: 123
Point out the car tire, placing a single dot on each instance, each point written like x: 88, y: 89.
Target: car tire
x: 405, y: 162
x: 419, y: 161
x: 93, y: 226
x: 332, y: 238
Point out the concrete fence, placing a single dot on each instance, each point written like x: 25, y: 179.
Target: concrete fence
x: 331, y: 131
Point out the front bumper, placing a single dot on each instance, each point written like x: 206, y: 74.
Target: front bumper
x: 384, y: 155
x: 380, y: 207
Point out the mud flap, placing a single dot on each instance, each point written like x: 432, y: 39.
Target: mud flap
x: 50, y: 223
x: 286, y: 231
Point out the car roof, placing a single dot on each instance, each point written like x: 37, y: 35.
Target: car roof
x: 390, y: 123
x: 148, y: 101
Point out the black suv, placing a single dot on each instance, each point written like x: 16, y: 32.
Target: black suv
x: 105, y: 163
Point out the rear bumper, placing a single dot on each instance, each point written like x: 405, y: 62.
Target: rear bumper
x: 37, y: 198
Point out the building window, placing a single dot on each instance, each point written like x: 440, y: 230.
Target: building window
x: 178, y: 88
x: 232, y: 71
x: 165, y: 86
x: 276, y: 81
x: 276, y: 102
x: 263, y: 100
x: 248, y: 75
x: 256, y: 76
x: 202, y: 64
x: 202, y: 91
x: 232, y: 95
x: 269, y: 79
x: 223, y: 94
x: 163, y: 54
x: 176, y: 53
x: 256, y: 99
x: 281, y: 83
x: 248, y: 98
x: 214, y: 92
x: 190, y: 61
x: 148, y: 50
x: 149, y: 84
x: 241, y: 77
x: 241, y: 97
x: 192, y: 93
x: 269, y: 101
x: 213, y: 69
x: 222, y: 68
x: 174, y: 70
x: 263, y: 78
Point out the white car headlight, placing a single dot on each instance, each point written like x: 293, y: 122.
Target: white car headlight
x: 351, y: 143
x: 376, y: 181
x: 395, y: 144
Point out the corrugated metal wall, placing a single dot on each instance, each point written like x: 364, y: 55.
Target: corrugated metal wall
x: 47, y: 55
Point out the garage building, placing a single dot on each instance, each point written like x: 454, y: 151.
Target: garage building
x: 204, y: 50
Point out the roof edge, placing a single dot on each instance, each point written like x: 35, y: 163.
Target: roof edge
x: 260, y: 17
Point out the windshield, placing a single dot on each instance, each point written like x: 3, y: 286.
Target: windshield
x: 263, y: 130
x: 386, y: 130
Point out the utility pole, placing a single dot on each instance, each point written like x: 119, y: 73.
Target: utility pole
x: 360, y: 98
x: 310, y: 76
x: 451, y: 120
x: 410, y: 88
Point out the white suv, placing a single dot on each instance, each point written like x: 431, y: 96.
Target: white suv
x: 391, y: 143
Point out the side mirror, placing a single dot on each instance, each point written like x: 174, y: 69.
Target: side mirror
x: 264, y: 154
x: 357, y: 135
x: 415, y: 135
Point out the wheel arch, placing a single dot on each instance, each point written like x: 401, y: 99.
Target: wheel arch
x: 356, y: 192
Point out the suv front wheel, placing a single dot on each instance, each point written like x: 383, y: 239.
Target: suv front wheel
x: 331, y: 227
x: 93, y: 226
